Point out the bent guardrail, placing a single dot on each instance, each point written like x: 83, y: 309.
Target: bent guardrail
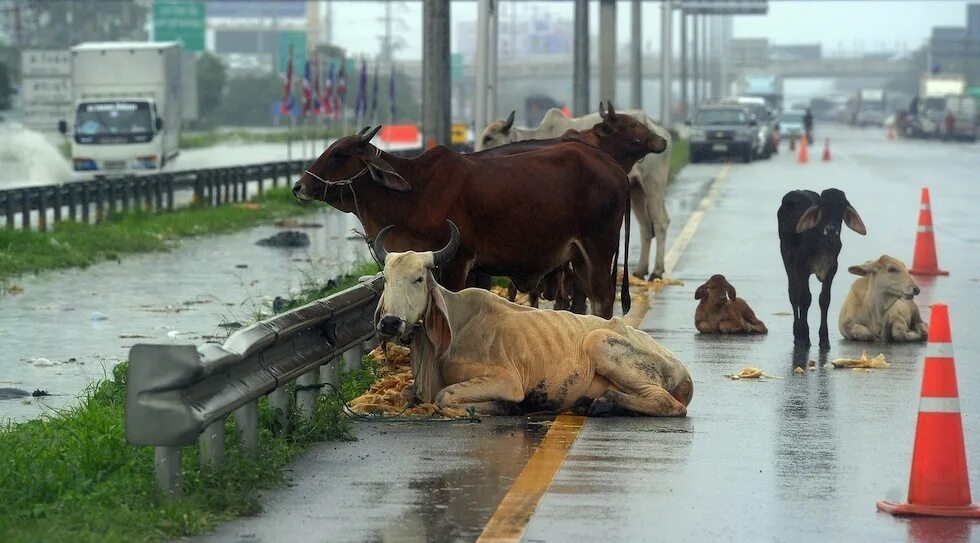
x: 179, y: 394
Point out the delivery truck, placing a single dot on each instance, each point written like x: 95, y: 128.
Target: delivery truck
x: 126, y: 106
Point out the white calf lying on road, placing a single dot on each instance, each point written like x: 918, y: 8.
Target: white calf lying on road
x: 474, y: 349
x: 879, y: 306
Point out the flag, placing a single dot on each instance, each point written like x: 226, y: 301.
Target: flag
x: 341, y: 89
x: 391, y: 95
x: 287, y: 88
x: 316, y: 85
x: 327, y: 101
x: 360, y: 106
x: 307, y: 88
x: 374, y: 96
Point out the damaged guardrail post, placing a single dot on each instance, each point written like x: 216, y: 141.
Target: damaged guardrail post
x: 177, y: 395
x: 307, y: 392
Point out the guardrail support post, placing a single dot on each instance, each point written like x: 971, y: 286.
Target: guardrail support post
x: 166, y: 461
x: 56, y: 203
x: 212, y: 442
x: 352, y: 357
x: 306, y: 398
x: 260, y: 177
x: 42, y: 210
x: 72, y: 202
x: 247, y: 420
x: 8, y: 205
x: 25, y: 209
x: 279, y: 403
x: 330, y: 374
x: 158, y: 191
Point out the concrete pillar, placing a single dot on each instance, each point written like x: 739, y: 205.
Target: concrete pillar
x: 607, y: 51
x: 493, y: 34
x: 636, y: 55
x: 436, y: 95
x: 705, y: 74
x: 480, y: 108
x: 666, y: 54
x: 685, y: 106
x: 581, y: 102
x: 695, y: 61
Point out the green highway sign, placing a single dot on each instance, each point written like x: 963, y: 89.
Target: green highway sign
x: 179, y: 20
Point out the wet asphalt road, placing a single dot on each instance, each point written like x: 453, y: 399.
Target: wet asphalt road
x: 802, y: 458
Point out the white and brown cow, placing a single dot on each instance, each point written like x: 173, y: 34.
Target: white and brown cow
x: 474, y: 349
x: 879, y: 306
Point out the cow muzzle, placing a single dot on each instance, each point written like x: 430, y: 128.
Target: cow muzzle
x: 392, y: 327
x: 299, y: 194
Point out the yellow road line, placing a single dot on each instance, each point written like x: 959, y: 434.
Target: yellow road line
x: 510, y: 520
x: 514, y: 512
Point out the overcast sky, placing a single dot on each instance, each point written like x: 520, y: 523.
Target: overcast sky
x: 847, y: 24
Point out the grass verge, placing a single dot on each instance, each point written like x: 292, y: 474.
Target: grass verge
x: 71, y: 476
x: 680, y: 156
x: 71, y: 244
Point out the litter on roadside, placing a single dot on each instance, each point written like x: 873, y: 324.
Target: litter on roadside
x: 751, y: 373
x: 862, y: 363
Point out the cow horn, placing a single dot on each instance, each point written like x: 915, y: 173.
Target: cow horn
x: 609, y: 110
x: 363, y: 130
x: 367, y: 137
x: 442, y: 256
x: 379, y: 245
x: 509, y: 123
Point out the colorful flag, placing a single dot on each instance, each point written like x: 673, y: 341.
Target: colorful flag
x: 360, y: 105
x: 307, y: 88
x: 391, y: 95
x: 327, y: 101
x: 374, y: 96
x: 341, y: 89
x: 316, y: 84
x: 287, y: 88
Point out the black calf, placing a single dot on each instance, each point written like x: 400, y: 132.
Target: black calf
x: 809, y: 240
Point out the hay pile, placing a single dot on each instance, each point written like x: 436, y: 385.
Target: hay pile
x: 385, y: 395
x: 862, y: 363
x: 655, y: 285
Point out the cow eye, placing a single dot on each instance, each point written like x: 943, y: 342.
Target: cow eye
x: 893, y: 269
x: 419, y: 280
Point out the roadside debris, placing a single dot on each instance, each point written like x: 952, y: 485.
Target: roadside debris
x: 751, y: 373
x: 289, y: 238
x: 799, y: 371
x: 15, y: 290
x: 99, y: 316
x: 863, y: 362
x: 293, y: 223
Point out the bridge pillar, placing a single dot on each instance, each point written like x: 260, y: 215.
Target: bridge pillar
x: 436, y: 95
x: 636, y: 55
x: 581, y: 80
x: 695, y: 61
x: 666, y: 41
x: 685, y: 112
x: 607, y: 50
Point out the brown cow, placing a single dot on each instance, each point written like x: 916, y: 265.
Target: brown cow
x: 573, y: 211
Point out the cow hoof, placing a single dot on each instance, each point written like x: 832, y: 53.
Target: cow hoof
x: 600, y: 407
x: 655, y: 275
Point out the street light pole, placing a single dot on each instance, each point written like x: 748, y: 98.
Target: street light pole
x: 436, y: 92
x: 684, y: 95
x: 636, y: 55
x: 666, y: 20
x: 607, y: 50
x: 580, y: 92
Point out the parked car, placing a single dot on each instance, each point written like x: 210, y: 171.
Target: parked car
x: 768, y: 124
x: 724, y: 130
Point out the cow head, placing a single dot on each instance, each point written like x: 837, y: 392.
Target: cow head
x: 828, y: 214
x: 349, y: 160
x: 497, y: 133
x: 888, y: 277
x: 716, y: 291
x: 411, y: 299
x: 633, y: 136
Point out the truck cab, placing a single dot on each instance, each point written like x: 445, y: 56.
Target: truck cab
x: 112, y: 135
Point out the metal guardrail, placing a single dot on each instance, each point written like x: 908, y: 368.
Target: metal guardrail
x: 179, y: 394
x: 90, y: 201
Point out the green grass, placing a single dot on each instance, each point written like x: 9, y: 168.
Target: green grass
x: 208, y: 139
x: 71, y: 244
x: 680, y: 155
x: 71, y: 476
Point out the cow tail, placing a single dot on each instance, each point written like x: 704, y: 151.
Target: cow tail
x: 625, y: 293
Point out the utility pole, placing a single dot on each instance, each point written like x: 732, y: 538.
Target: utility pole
x: 581, y: 79
x: 684, y: 97
x: 436, y: 93
x: 695, y: 61
x: 704, y: 58
x: 607, y: 50
x: 636, y: 55
x: 666, y: 79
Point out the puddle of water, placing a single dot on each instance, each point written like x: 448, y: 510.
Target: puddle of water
x: 83, y: 322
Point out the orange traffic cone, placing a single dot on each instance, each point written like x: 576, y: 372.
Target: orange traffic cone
x: 803, y: 157
x: 826, y: 150
x: 939, y: 485
x: 924, y: 262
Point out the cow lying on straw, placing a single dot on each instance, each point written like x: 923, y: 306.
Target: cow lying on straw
x: 473, y: 349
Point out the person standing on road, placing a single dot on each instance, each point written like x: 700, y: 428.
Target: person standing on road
x: 808, y: 125
x: 950, y: 122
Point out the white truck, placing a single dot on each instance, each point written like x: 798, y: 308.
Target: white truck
x: 127, y: 106
x: 871, y: 107
x: 934, y: 90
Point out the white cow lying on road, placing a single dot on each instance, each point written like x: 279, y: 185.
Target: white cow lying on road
x: 648, y: 178
x: 474, y: 349
x: 879, y: 306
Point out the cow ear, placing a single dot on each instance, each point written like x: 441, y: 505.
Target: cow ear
x: 437, y: 327
x: 603, y: 130
x: 386, y: 176
x: 730, y: 290
x: 863, y: 269
x: 701, y: 291
x: 810, y: 219
x: 853, y: 220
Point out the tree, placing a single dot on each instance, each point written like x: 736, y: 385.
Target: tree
x: 60, y: 24
x: 249, y: 100
x: 211, y: 79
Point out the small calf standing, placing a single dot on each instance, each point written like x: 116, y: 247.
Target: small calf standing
x: 722, y: 312
x: 809, y: 240
x: 879, y: 306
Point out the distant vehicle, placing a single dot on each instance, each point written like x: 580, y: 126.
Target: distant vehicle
x: 766, y: 86
x: 934, y: 90
x: 127, y: 106
x: 536, y: 106
x: 963, y: 110
x: 791, y: 124
x: 724, y: 130
x: 871, y: 108
x: 768, y: 124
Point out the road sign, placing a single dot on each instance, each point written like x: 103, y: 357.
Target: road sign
x: 45, y: 62
x: 459, y: 133
x: 179, y: 20
x: 45, y: 90
x: 298, y: 41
